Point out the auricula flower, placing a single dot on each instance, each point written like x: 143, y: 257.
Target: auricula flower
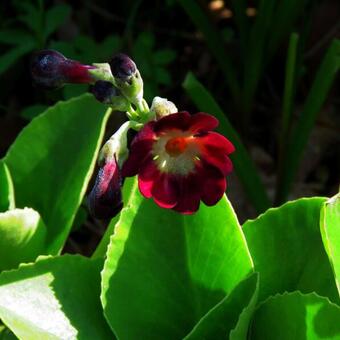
x: 180, y: 161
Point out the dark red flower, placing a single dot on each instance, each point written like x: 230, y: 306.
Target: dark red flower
x: 180, y: 161
x: 105, y: 199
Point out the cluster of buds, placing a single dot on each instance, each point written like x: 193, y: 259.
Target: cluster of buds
x: 177, y: 157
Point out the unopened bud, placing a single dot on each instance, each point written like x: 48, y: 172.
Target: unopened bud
x: 162, y: 107
x: 106, y: 93
x: 105, y: 199
x: 127, y: 77
x: 50, y: 70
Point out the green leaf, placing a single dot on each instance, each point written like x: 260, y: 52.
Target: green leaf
x: 6, y: 334
x: 52, y: 160
x: 295, y: 316
x: 55, y: 17
x: 22, y: 237
x: 220, y: 320
x: 244, y: 166
x: 286, y: 246
x: 164, y: 270
x: 300, y: 134
x: 330, y: 231
x: 54, y: 298
x: 6, y: 188
x: 10, y: 57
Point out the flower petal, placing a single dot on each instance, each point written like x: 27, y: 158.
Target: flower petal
x: 148, y: 173
x: 202, y: 122
x: 173, y: 121
x: 164, y: 191
x: 212, y: 140
x: 214, y: 186
x: 219, y: 160
x: 189, y: 195
x: 138, y: 153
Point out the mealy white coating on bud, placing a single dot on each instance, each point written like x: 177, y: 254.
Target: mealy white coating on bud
x: 102, y: 72
x: 162, y: 107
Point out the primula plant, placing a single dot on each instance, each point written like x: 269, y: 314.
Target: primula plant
x: 174, y: 262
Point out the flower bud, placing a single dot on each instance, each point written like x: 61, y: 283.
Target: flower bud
x: 122, y: 67
x: 50, y: 70
x: 162, y: 107
x: 127, y: 78
x: 105, y: 199
x: 106, y: 93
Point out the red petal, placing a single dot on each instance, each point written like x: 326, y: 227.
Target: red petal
x: 214, y: 185
x: 148, y: 174
x: 219, y: 160
x: 178, y: 121
x: 202, y: 122
x: 189, y: 195
x: 164, y: 191
x: 147, y: 133
x: 138, y: 153
x: 213, y: 140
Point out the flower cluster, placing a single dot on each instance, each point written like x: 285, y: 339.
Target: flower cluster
x: 178, y: 158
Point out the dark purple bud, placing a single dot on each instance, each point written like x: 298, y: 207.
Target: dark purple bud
x: 50, y: 70
x: 122, y: 67
x: 103, y: 91
x: 105, y: 199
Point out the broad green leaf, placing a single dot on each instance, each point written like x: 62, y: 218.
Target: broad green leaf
x: 244, y: 166
x: 22, y: 237
x: 6, y: 188
x: 285, y: 244
x: 52, y: 160
x: 164, y: 271
x: 221, y: 319
x: 5, y: 333
x: 296, y: 316
x: 330, y: 231
x: 54, y: 298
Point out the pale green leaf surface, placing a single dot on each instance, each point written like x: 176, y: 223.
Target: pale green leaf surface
x: 223, y: 318
x: 22, y: 237
x: 54, y: 298
x: 286, y: 247
x: 164, y: 271
x: 296, y: 316
x: 6, y: 188
x: 55, y: 156
x: 330, y: 230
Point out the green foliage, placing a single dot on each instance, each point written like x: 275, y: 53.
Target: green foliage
x: 22, y: 237
x: 330, y: 230
x: 54, y: 298
x: 296, y: 316
x: 6, y: 188
x: 156, y: 273
x: 286, y: 246
x: 56, y: 154
x: 190, y: 265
